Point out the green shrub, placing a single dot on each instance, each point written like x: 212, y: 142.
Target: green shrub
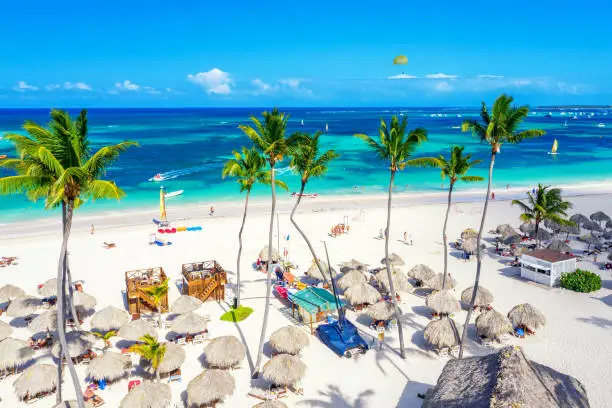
x: 581, y: 281
x: 237, y: 315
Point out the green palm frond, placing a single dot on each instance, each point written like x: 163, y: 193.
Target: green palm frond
x: 269, y: 137
x: 546, y: 204
x: 306, y: 160
x: 150, y: 349
x: 458, y: 165
x: 105, y: 336
x: 97, y: 164
x: 248, y: 167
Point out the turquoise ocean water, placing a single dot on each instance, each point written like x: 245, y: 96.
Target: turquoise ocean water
x: 193, y: 144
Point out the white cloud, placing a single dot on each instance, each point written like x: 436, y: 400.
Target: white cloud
x: 443, y: 86
x: 572, y: 89
x: 127, y: 85
x: 77, y: 85
x: 262, y: 87
x: 402, y: 76
x: 441, y: 75
x: 214, y: 81
x: 490, y: 76
x: 53, y: 87
x: 290, y: 83
x: 151, y: 90
x: 23, y: 86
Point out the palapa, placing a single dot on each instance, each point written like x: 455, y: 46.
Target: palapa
x: 543, y: 235
x: 174, y: 357
x: 560, y: 246
x: 493, y: 325
x: 511, y: 239
x: 526, y: 315
x: 314, y: 272
x: 579, y: 219
x: 381, y: 311
x: 469, y: 233
x: 36, y: 379
x: 109, y: 318
x: 5, y: 330
x: 394, y: 259
x: 527, y: 228
x: 607, y: 235
x: 185, y: 304
x: 442, y: 302
x: 224, y: 352
x: 210, y: 387
x: 504, y: 379
x: 599, y: 216
x: 135, y: 329
x: 484, y: 297
x: 263, y: 254
x: 505, y: 229
x: 109, y: 366
x: 284, y: 370
x: 400, y: 281
x: 44, y: 321
x: 73, y: 404
x: 23, y: 306
x: 362, y: 294
x: 10, y: 292
x: 188, y: 323
x: 592, y: 226
x: 84, y: 301
x: 442, y: 333
x: 14, y: 353
x: 351, y: 278
x: 470, y: 245
x: 271, y: 404
x: 79, y: 342
x: 421, y: 272
x: 354, y: 264
x: 435, y: 282
x: 148, y: 395
x: 289, y: 340
x: 48, y: 289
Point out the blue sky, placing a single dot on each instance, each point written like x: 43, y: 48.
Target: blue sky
x: 315, y: 53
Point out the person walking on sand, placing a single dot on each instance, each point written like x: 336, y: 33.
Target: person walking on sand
x: 405, y: 237
x: 380, y: 234
x: 381, y: 336
x: 212, y: 210
x: 91, y: 230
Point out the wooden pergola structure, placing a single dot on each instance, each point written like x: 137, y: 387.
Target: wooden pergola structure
x: 204, y: 280
x: 135, y: 283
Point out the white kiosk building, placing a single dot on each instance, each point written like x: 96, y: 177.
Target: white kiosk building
x: 546, y: 266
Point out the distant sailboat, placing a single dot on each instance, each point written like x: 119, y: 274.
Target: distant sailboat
x: 601, y: 125
x: 565, y: 124
x: 326, y: 127
x: 555, y: 146
x: 302, y: 122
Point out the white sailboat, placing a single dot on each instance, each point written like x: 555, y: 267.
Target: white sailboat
x: 601, y: 125
x: 554, y: 148
x: 565, y: 124
x: 174, y: 193
x: 302, y: 122
x: 326, y: 127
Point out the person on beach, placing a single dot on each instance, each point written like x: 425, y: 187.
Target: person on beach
x: 507, y: 186
x: 405, y: 237
x: 493, y: 195
x: 91, y: 230
x: 380, y: 234
x: 212, y: 210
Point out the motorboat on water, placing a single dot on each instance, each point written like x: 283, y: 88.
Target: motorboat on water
x: 174, y: 193
x: 157, y: 177
x: 601, y: 125
x: 294, y: 194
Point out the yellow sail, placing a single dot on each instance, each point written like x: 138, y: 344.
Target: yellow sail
x: 555, y: 146
x: 162, y: 204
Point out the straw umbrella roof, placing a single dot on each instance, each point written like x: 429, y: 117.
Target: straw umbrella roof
x: 579, y: 219
x: 148, y: 395
x: 609, y: 224
x: 470, y: 245
x: 442, y: 333
x: 421, y: 272
x: 289, y: 339
x: 361, y: 294
x: 23, y: 306
x: 599, y: 216
x: 109, y: 366
x: 484, y: 296
x: 560, y: 246
x: 381, y: 311
x: 188, y: 323
x: 72, y: 404
x: 469, y: 233
x: 36, y: 379
x: 84, y: 300
x: 135, y: 329
x: 394, y: 259
x: 271, y: 404
x: 504, y: 379
x: 5, y: 330
x: 526, y: 315
x: 435, y: 282
x: 354, y: 264
x: 400, y: 281
x: 263, y: 254
x: 174, y: 357
x: 511, y: 239
x: 14, y: 353
x: 527, y: 228
x: 552, y: 225
x: 570, y: 229
x: 607, y: 235
x: 109, y: 318
x: 314, y: 272
x: 589, y: 239
x: 351, y: 278
x: 78, y: 343
x: 10, y: 292
x: 49, y: 288
x: 442, y: 302
x: 185, y: 304
x: 284, y: 370
x: 44, y: 321
x: 224, y: 352
x: 543, y: 235
x: 592, y: 226
x: 209, y: 387
x: 492, y: 324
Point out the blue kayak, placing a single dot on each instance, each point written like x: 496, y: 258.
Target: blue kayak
x: 345, y: 341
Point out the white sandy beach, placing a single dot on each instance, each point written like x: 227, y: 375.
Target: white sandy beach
x: 576, y: 339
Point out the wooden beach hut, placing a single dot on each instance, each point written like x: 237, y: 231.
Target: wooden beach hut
x: 313, y: 304
x: 204, y: 280
x: 137, y: 299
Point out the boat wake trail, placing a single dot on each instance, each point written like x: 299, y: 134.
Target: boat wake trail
x: 282, y: 170
x: 172, y: 174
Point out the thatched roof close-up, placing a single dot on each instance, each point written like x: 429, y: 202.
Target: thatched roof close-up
x: 484, y: 297
x: 148, y: 395
x: 84, y: 300
x: 394, y: 259
x: 224, y: 352
x: 469, y: 233
x: 49, y: 288
x: 36, y: 379
x: 79, y: 342
x: 23, y: 306
x: 185, y: 304
x: 560, y: 246
x: 435, y: 282
x: 442, y: 333
x: 381, y: 311
x: 579, y: 218
x: 5, y: 330
x: 442, y: 302
x: 109, y: 318
x: 174, y: 357
x: 263, y: 254
x: 493, y: 325
x: 400, y: 281
x: 527, y: 228
x: 504, y: 379
x: 72, y: 404
x: 109, y: 366
x: 526, y: 315
x: 135, y: 329
x: 10, y: 292
x: 188, y: 323
x: 289, y: 340
x: 44, y: 321
x: 421, y: 272
x: 271, y: 404
x: 599, y: 216
x: 351, y: 278
x: 510, y: 239
x: 361, y: 294
x: 14, y: 353
x: 209, y: 387
x: 353, y: 264
x: 284, y: 370
x: 314, y: 272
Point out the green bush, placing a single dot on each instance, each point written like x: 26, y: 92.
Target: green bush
x: 581, y: 281
x: 236, y: 315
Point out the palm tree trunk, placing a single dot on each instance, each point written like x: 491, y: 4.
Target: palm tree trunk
x: 157, y: 376
x: 159, y: 316
x: 444, y: 237
x: 70, y: 299
x: 478, y: 258
x: 264, y: 326
x: 537, y: 239
x: 246, y: 206
x: 61, y: 317
x: 314, y: 255
x: 400, y: 329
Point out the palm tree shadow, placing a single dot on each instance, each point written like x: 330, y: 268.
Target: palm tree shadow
x: 334, y: 398
x: 243, y: 339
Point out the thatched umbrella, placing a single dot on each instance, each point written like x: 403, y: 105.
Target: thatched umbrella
x: 35, y: 380
x: 435, y: 282
x: 492, y: 325
x: 84, y: 301
x: 607, y: 235
x: 14, y: 353
x: 289, y: 340
x: 72, y: 404
x: 599, y: 216
x: 109, y: 366
x: 442, y: 333
x: 526, y: 315
x: 592, y: 226
x: 109, y: 318
x: 188, y: 323
x: 263, y: 254
x: 271, y: 404
x: 504, y: 379
x: 421, y: 272
x: 504, y: 229
x: 44, y: 321
x: 10, y: 292
x: 78, y: 343
x: 484, y: 297
x: 354, y: 264
x: 224, y: 352
x: 511, y: 239
x: 148, y: 395
x: 362, y: 294
x: 400, y: 281
x: 570, y: 229
x: 210, y: 387
x: 560, y: 246
x: 314, y: 272
x: 185, y: 304
x: 527, y: 228
x: 351, y: 278
x: 135, y: 329
x: 442, y: 302
x: 590, y: 239
x: 543, y: 235
x: 554, y: 226
x: 174, y: 357
x: 579, y: 219
x: 5, y: 330
x: 469, y: 245
x: 394, y: 259
x: 23, y: 306
x: 381, y: 311
x: 469, y: 233
x: 49, y: 288
x: 284, y: 370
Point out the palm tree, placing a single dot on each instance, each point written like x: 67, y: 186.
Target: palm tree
x: 57, y: 163
x: 105, y: 337
x: 545, y: 205
x: 269, y: 138
x: 455, y: 169
x: 152, y: 350
x: 248, y: 166
x: 397, y: 146
x: 307, y: 162
x: 157, y: 293
x: 497, y: 127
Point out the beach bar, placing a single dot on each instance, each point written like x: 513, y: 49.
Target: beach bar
x: 313, y: 304
x: 204, y: 280
x: 545, y: 266
x: 137, y: 299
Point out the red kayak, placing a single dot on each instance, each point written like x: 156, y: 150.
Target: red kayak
x: 281, y: 291
x: 294, y: 194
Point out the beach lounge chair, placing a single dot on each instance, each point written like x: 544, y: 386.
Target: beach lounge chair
x: 133, y: 384
x: 109, y: 245
x: 198, y: 339
x: 181, y: 341
x: 175, y: 375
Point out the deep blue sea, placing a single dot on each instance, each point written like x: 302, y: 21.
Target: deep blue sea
x: 193, y: 144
